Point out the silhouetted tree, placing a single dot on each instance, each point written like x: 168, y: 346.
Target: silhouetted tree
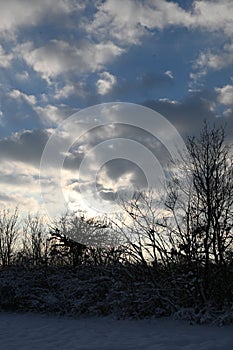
x: 200, y: 203
x: 35, y: 243
x: 9, y: 229
x: 66, y: 250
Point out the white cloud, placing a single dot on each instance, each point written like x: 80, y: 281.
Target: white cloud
x: 169, y: 74
x: 44, y: 98
x: 128, y: 20
x: 52, y: 115
x: 5, y: 59
x: 49, y: 114
x: 19, y: 96
x: 214, y: 15
x: 225, y: 95
x: 65, y: 92
x: 59, y: 57
x: 228, y: 112
x: 22, y: 186
x: 166, y: 100
x: 210, y: 60
x: 15, y: 14
x: 216, y: 61
x: 105, y: 83
x: 116, y: 23
x: 22, y: 76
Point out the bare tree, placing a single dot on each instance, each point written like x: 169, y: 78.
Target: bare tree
x: 35, y: 240
x: 137, y: 224
x: 200, y: 200
x: 9, y: 230
x: 75, y: 238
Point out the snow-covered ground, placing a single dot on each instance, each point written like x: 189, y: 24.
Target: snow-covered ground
x: 31, y: 331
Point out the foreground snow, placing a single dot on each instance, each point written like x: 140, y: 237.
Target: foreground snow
x: 29, y: 331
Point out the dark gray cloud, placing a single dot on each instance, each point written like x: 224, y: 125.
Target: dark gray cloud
x: 189, y: 115
x: 6, y: 198
x: 14, y: 179
x: 153, y: 79
x: 108, y: 195
x: 119, y: 168
x: 111, y: 132
x: 142, y: 84
x: 25, y: 146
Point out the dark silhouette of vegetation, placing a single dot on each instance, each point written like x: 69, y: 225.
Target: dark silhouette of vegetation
x: 63, y: 247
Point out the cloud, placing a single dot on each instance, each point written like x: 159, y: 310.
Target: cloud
x: 225, y: 98
x: 120, y: 174
x: 65, y: 92
x: 59, y: 57
x: 153, y: 79
x: 189, y: 114
x: 19, y: 96
x: 17, y: 177
x: 169, y: 74
x: 5, y: 198
x: 126, y: 21
x: 129, y: 20
x: 144, y: 84
x: 23, y: 76
x: 52, y: 115
x: 25, y: 146
x: 17, y: 14
x: 225, y: 95
x: 214, y: 15
x: 105, y: 83
x: 22, y: 184
x: 215, y: 61
x: 5, y: 59
x: 108, y: 34
x: 228, y: 113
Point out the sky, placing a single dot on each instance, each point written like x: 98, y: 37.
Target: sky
x: 58, y: 57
